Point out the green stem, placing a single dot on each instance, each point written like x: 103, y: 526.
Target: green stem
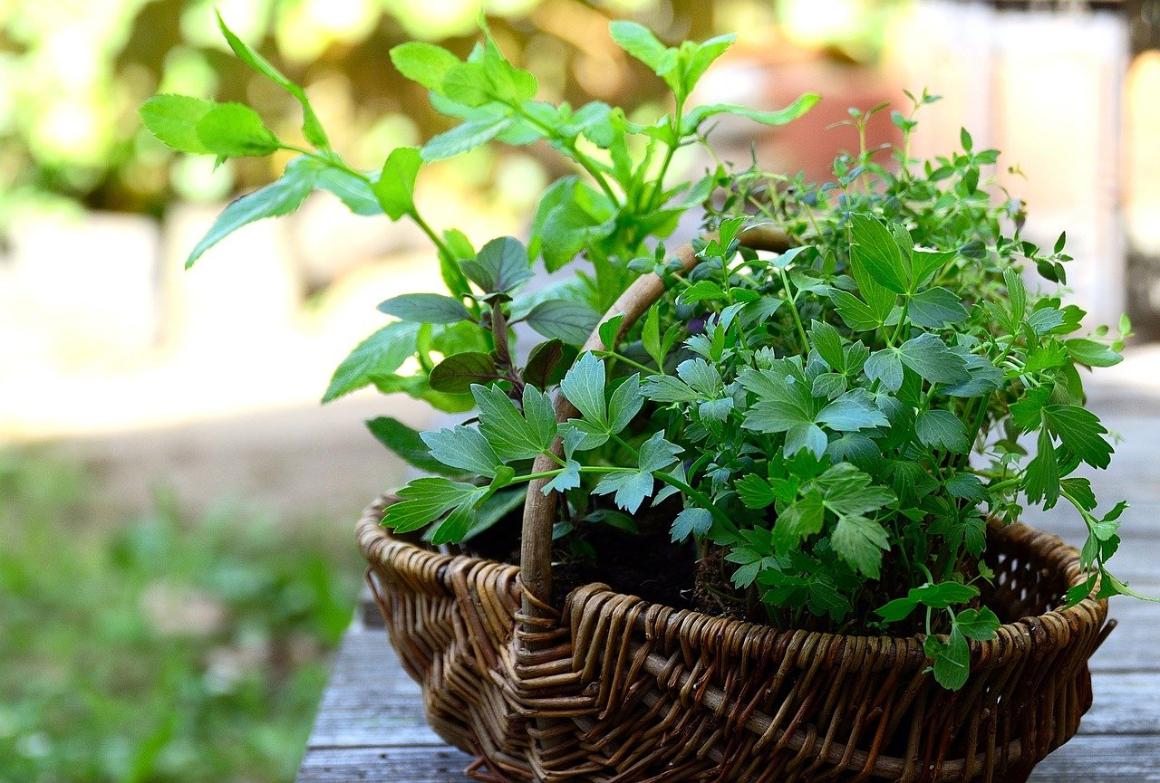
x: 568, y: 144
x: 625, y: 359
x: 793, y: 309
x: 700, y: 497
x: 659, y: 186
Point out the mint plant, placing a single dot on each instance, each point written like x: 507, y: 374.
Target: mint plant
x: 809, y: 416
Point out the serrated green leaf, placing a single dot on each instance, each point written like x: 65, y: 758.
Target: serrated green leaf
x: 799, y: 520
x: 800, y: 106
x: 941, y: 429
x: 624, y: 404
x: 563, y: 319
x: 1080, y: 432
x: 424, y: 500
x: 395, y: 187
x: 464, y: 448
x: 666, y: 388
x: 934, y: 308
x: 860, y: 541
x: 978, y: 624
x: 929, y: 356
x: 1091, y: 353
x: 380, y: 354
x: 566, y: 479
x: 876, y: 251
x: 459, y: 372
x: 826, y: 340
x: 638, y: 40
x: 501, y: 266
x: 1042, y: 483
x: 425, y: 308
x: 311, y: 127
x: 691, y: 521
x: 755, y: 492
x: 514, y: 435
x: 851, y: 412
x: 173, y: 120
x: 233, y: 130
x: 885, y: 366
x: 280, y: 197
x: 628, y: 489
x: 465, y: 137
x: 854, y: 312
x: 424, y: 63
x: 583, y: 386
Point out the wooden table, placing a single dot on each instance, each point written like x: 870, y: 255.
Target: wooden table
x: 370, y: 724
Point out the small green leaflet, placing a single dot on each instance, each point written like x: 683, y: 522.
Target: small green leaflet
x: 941, y: 429
x: 937, y: 596
x: 233, y: 130
x: 929, y: 356
x: 802, y: 104
x: 424, y: 63
x: 311, y: 127
x: 952, y: 659
x: 424, y: 500
x: 935, y: 308
x: 566, y: 320
x: 173, y: 120
x: 860, y: 541
x: 464, y: 448
x: 380, y: 354
x: 691, y: 521
x: 500, y: 267
x: 457, y: 373
x: 464, y: 137
x: 514, y: 435
x: 632, y: 487
x: 876, y: 251
x: 395, y: 187
x: 583, y: 386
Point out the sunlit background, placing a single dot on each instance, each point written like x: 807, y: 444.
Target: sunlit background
x: 169, y: 486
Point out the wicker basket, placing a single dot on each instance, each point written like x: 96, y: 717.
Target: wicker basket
x: 614, y: 689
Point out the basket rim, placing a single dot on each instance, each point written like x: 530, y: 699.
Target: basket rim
x: 378, y: 545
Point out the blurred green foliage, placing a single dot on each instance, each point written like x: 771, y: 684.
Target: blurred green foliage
x: 162, y: 650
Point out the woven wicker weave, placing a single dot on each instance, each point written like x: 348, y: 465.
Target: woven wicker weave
x: 611, y: 688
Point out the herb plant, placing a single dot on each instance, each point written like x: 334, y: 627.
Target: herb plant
x: 812, y: 412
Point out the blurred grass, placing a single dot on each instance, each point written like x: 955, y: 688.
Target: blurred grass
x: 158, y: 649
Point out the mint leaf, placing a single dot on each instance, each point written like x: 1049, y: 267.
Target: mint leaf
x: 935, y: 308
x: 501, y: 266
x: 514, y: 435
x: 280, y: 197
x: 425, y: 308
x: 802, y: 104
x: 638, y: 40
x: 464, y: 448
x: 563, y: 319
x: 691, y: 521
x: 424, y: 63
x: 458, y: 372
x: 173, y: 120
x: 941, y: 429
x: 395, y: 187
x: 860, y: 541
x: 877, y: 252
x: 929, y: 356
x: 583, y: 386
x: 233, y: 130
x: 380, y: 354
x: 406, y: 443
x: 311, y: 127
x: 465, y: 137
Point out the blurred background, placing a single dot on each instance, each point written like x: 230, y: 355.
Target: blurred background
x: 176, y: 510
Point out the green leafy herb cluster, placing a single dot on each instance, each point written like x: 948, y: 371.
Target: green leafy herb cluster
x: 812, y: 412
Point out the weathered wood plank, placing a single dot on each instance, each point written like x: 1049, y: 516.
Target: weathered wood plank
x: 1091, y: 759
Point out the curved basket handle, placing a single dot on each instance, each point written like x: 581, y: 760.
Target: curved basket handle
x: 540, y: 509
